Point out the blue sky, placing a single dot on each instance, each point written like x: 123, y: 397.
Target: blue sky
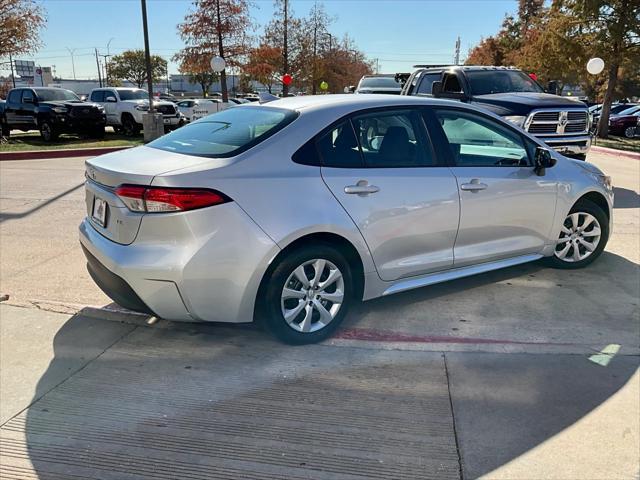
x: 399, y: 33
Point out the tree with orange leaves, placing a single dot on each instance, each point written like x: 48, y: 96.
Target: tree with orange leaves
x: 263, y: 64
x: 20, y: 24
x: 214, y: 28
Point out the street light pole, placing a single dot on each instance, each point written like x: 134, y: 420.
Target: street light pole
x: 147, y: 54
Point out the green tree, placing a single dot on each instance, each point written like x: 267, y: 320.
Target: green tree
x: 131, y: 66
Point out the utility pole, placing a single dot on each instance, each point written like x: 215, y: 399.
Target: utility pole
x: 377, y: 65
x: 13, y: 77
x: 457, y: 57
x: 106, y: 69
x: 98, y: 65
x: 147, y: 54
x: 285, y: 49
x: 73, y: 64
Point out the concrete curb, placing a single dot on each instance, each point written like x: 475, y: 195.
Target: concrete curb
x: 62, y: 153
x: 613, y: 151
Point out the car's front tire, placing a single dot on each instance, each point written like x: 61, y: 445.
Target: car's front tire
x: 129, y: 126
x: 307, y: 295
x: 583, y: 236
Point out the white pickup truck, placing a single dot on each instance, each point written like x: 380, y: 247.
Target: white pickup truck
x: 194, y: 109
x: 124, y: 108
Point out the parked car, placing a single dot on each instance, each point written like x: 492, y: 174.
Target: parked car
x: 52, y: 111
x: 125, y: 106
x: 563, y: 123
x: 625, y: 123
x: 379, y: 83
x: 596, y: 111
x: 193, y: 109
x: 291, y: 211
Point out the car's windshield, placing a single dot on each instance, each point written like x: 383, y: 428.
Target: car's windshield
x: 483, y: 82
x: 133, y: 95
x: 378, y: 82
x: 53, y: 94
x: 629, y: 111
x: 224, y: 133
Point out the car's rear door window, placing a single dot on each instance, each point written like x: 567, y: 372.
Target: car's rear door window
x: 393, y: 139
x: 226, y: 133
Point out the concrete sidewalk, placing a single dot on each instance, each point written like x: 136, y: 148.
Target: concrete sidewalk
x: 118, y: 401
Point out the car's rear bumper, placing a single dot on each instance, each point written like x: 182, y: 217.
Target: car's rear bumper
x: 114, y: 286
x: 578, y: 145
x: 203, y: 265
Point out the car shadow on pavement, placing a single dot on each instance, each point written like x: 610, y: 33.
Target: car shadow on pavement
x: 166, y: 403
x: 625, y: 198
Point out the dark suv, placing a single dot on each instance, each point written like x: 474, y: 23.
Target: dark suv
x: 562, y: 122
x: 52, y: 111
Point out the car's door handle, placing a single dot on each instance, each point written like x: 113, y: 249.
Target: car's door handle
x: 474, y: 185
x: 361, y: 188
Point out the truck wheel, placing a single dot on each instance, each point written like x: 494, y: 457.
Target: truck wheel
x: 130, y: 126
x: 47, y: 132
x: 6, y: 131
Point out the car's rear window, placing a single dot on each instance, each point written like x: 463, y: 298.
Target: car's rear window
x: 226, y: 133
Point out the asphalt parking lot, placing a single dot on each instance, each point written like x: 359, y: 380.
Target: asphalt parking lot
x: 523, y: 373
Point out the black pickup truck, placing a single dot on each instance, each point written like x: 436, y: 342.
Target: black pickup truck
x: 561, y: 122
x: 52, y: 111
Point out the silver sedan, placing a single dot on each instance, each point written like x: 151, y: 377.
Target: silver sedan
x: 290, y: 211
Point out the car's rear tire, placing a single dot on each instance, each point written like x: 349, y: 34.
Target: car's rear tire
x: 584, y: 235
x: 307, y: 295
x: 48, y: 131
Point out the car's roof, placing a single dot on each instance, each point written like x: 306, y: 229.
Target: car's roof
x: 323, y: 102
x: 463, y: 67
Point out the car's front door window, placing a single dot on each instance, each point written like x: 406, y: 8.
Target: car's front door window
x: 476, y: 141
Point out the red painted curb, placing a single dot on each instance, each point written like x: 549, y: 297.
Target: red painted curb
x: 613, y: 151
x: 73, y: 152
x: 371, y: 335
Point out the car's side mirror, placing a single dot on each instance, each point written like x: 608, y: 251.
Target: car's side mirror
x: 543, y: 160
x: 436, y: 88
x: 110, y: 99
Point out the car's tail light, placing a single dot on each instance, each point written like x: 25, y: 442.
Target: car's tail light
x: 165, y: 199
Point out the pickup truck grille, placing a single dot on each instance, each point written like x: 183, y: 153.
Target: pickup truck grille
x: 555, y: 123
x: 85, y: 111
x: 166, y: 109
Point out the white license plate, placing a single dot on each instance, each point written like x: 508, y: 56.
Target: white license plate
x: 99, y: 213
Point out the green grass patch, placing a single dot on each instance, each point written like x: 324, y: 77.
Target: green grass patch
x: 619, y: 143
x: 32, y: 141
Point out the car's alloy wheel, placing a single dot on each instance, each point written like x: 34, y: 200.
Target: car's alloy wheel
x: 307, y: 293
x: 312, y: 295
x: 579, y: 237
x: 630, y: 132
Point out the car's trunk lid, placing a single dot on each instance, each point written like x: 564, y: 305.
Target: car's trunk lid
x: 137, y: 166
